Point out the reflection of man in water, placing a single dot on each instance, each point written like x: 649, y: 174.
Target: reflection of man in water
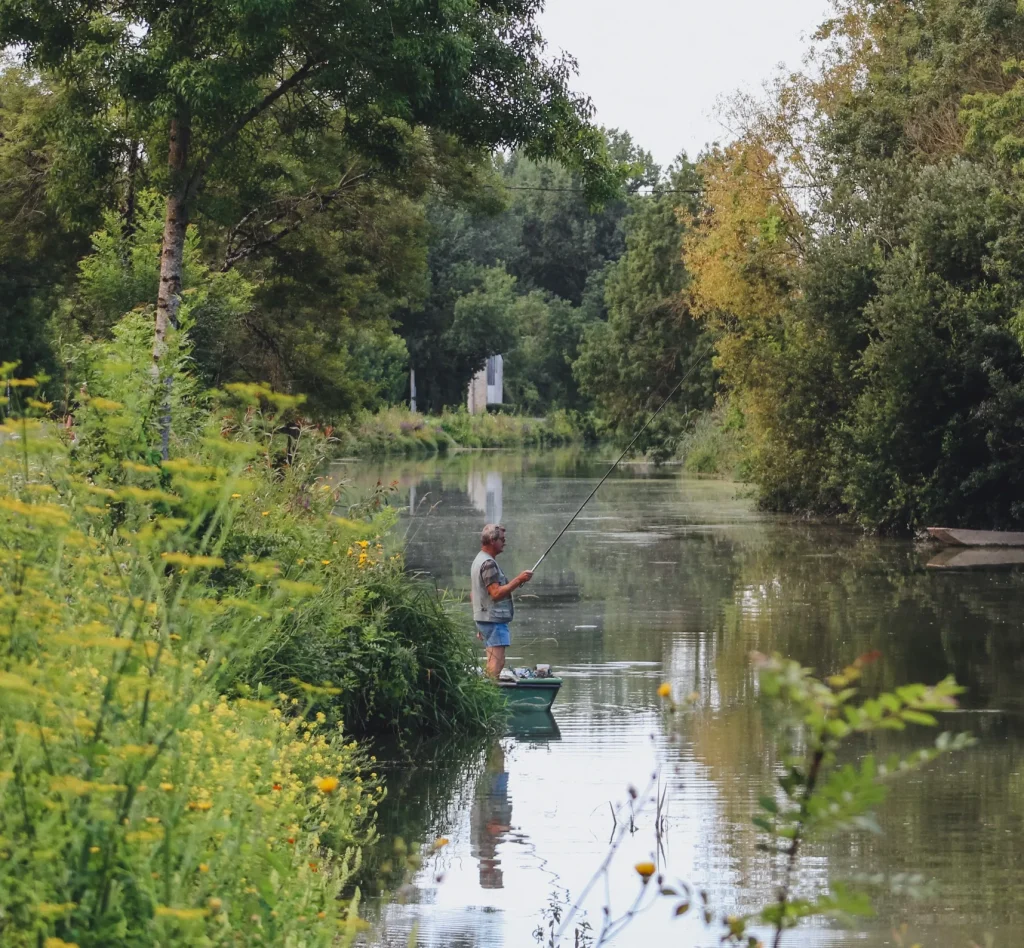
x: 491, y: 817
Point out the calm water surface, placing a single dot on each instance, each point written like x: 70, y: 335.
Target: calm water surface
x: 672, y: 579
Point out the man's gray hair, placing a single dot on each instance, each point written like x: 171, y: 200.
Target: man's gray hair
x: 491, y: 532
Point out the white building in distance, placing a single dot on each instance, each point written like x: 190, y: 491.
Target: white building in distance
x: 486, y: 387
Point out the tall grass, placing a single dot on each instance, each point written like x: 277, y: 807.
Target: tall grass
x: 398, y: 431
x: 186, y: 648
x: 140, y: 803
x: 398, y: 660
x: 713, y: 444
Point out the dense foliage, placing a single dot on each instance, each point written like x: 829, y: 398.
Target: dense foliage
x: 143, y: 798
x: 839, y: 287
x: 859, y: 256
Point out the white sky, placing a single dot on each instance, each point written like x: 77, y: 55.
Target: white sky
x: 656, y: 68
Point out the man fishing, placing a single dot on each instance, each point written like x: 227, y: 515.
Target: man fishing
x: 491, y: 593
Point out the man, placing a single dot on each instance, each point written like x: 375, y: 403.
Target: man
x: 491, y: 593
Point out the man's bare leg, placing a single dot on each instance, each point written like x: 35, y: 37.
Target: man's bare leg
x: 495, y: 660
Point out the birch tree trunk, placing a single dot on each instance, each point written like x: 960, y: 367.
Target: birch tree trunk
x: 172, y: 254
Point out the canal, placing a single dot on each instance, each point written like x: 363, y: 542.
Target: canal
x: 666, y: 578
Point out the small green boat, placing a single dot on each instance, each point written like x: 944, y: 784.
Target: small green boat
x: 533, y: 694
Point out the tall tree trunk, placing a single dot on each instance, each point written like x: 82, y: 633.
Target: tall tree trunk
x: 128, y: 222
x: 172, y: 255
x: 175, y: 225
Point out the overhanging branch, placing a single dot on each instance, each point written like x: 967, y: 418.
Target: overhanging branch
x: 304, y: 72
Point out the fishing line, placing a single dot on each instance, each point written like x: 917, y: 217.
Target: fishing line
x: 693, y: 365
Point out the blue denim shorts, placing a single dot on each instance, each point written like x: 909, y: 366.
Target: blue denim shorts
x: 495, y: 633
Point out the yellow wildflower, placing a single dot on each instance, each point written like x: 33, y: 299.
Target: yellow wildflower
x: 326, y: 784
x: 167, y: 786
x: 52, y: 909
x: 184, y: 914
x: 203, y: 867
x: 265, y: 513
x: 645, y: 870
x: 664, y: 690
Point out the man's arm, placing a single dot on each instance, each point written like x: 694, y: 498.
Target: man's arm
x: 496, y: 591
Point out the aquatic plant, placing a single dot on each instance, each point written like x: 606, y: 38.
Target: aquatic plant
x: 827, y: 785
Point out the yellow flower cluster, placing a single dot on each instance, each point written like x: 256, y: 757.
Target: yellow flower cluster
x: 122, y: 748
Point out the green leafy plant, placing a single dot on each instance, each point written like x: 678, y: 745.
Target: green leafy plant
x: 826, y: 785
x: 823, y: 790
x: 140, y: 802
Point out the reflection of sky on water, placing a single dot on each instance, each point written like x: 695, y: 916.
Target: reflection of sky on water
x: 660, y: 579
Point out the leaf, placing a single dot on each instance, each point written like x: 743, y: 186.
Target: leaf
x: 867, y: 821
x: 919, y: 717
x: 767, y: 803
x: 682, y: 908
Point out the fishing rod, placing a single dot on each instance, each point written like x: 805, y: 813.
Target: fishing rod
x: 696, y: 361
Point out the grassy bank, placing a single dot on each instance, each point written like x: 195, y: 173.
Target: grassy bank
x: 713, y: 445
x: 400, y: 431
x: 187, y: 649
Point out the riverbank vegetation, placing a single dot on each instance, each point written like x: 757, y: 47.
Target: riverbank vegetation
x: 397, y: 430
x: 188, y: 648
x: 844, y: 274
x: 858, y: 260
x: 146, y: 794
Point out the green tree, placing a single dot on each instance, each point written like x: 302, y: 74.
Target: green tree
x: 40, y: 241
x: 867, y: 320
x: 199, y: 82
x: 537, y: 367
x: 629, y: 363
x: 536, y: 220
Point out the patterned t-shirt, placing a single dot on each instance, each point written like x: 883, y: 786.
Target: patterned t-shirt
x: 489, y: 574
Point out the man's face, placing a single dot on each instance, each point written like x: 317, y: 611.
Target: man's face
x: 499, y: 543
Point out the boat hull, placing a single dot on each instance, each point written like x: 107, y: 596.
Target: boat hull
x: 951, y: 536
x: 533, y: 694
x: 972, y: 557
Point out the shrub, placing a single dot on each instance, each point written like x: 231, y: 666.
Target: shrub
x: 712, y: 444
x: 139, y: 803
x: 398, y: 431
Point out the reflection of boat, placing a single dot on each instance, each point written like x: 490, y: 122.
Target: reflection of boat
x: 536, y: 694
x: 954, y: 537
x: 958, y: 557
x: 537, y: 727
